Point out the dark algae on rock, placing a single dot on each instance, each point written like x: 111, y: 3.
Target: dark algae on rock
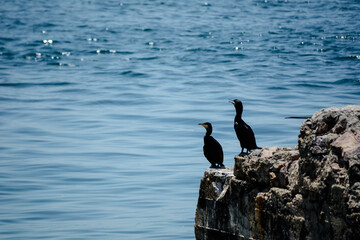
x: 311, y: 191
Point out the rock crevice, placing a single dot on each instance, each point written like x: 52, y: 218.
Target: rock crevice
x: 311, y: 191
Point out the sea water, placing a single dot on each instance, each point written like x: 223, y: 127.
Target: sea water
x: 100, y: 101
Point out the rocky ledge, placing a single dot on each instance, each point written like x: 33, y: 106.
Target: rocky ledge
x: 311, y: 191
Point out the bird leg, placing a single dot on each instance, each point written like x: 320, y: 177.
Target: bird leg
x: 242, y: 152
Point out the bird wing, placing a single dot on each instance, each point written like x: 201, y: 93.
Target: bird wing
x: 213, y: 150
x: 248, y: 129
x: 245, y: 134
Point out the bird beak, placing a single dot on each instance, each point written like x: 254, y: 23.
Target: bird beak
x: 202, y: 125
x: 232, y: 101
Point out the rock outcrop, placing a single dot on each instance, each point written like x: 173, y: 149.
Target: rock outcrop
x: 311, y: 191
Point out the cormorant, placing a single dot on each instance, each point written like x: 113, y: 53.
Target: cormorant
x: 212, y: 148
x: 243, y: 131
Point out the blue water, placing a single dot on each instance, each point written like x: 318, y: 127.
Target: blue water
x: 100, y: 100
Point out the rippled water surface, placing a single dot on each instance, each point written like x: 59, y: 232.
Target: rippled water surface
x: 100, y: 100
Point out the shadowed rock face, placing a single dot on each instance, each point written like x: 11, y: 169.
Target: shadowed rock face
x: 311, y: 191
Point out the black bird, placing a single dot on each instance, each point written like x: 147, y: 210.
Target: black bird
x: 243, y: 131
x: 212, y: 148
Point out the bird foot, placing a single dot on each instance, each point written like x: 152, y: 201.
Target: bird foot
x: 243, y: 154
x: 222, y: 166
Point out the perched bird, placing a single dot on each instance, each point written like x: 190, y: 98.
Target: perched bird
x: 212, y: 148
x: 243, y: 131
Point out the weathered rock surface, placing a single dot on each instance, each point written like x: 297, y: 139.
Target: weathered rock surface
x: 311, y: 191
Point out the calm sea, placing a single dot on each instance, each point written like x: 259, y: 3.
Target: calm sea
x: 100, y: 101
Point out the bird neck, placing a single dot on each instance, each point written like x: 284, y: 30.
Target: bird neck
x: 239, y: 109
x: 238, y: 113
x: 208, y: 132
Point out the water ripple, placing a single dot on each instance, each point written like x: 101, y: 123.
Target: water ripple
x: 26, y: 85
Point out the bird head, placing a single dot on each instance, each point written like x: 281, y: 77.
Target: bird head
x: 235, y: 101
x: 238, y: 105
x: 207, y: 126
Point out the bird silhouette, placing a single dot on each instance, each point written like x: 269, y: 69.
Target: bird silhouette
x: 243, y: 131
x: 212, y: 148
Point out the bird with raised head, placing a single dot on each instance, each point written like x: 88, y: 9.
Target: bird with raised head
x: 212, y: 148
x: 243, y: 131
